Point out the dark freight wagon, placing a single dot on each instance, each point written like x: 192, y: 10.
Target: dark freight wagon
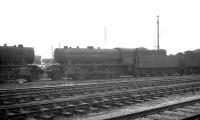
x: 37, y: 59
x: 192, y: 62
x: 157, y: 65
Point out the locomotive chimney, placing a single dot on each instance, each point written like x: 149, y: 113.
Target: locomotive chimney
x: 90, y: 47
x: 20, y: 46
x: 65, y: 47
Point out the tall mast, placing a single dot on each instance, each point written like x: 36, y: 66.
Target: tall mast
x: 105, y: 36
x: 52, y: 52
x: 158, y: 34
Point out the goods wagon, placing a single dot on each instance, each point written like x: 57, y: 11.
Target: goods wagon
x: 155, y: 61
x: 128, y: 56
x: 192, y: 62
x: 142, y: 61
x: 144, y: 51
x: 14, y: 64
x: 157, y: 65
x: 37, y: 59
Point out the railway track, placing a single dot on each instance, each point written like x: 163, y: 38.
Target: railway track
x: 9, y: 97
x: 47, y: 85
x: 184, y: 110
x: 50, y: 109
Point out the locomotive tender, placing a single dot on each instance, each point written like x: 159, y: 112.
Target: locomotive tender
x: 91, y: 63
x: 14, y: 64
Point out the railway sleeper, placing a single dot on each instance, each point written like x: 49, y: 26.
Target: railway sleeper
x: 197, y: 104
x: 138, y: 101
x: 181, y: 114
x: 38, y: 98
x: 23, y: 100
x: 193, y: 108
x: 55, y: 106
x: 117, y: 103
x: 66, y: 113
x: 83, y: 104
x: 116, y: 100
x: 69, y: 106
x: 125, y: 97
x: 106, y: 106
x: 128, y: 102
x: 102, y: 104
x: 5, y: 102
x: 79, y: 111
x: 96, y: 102
x: 147, y: 97
x: 172, y: 113
x: 92, y: 109
x: 14, y: 114
x: 162, y: 117
x: 191, y: 111
x: 45, y: 116
x: 156, y: 96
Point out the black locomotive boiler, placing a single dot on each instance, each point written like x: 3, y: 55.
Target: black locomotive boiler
x: 15, y: 64
x: 86, y: 63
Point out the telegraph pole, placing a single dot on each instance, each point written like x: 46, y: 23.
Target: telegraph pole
x: 52, y: 52
x: 158, y: 34
x: 105, y: 36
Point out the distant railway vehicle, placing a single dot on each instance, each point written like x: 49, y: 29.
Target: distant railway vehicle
x: 86, y: 63
x: 91, y: 63
x: 47, y: 61
x: 37, y: 59
x: 14, y: 64
x: 192, y: 62
x: 149, y: 62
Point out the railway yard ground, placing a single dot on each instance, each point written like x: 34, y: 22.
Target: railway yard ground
x: 123, y: 99
x: 134, y: 112
x: 50, y: 83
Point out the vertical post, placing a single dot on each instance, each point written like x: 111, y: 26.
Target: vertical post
x: 52, y: 52
x: 105, y: 36
x: 158, y: 34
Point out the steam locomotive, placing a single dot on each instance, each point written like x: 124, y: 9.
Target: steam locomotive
x: 91, y: 63
x: 15, y: 64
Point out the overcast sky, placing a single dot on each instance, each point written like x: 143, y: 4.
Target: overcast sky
x: 130, y: 24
